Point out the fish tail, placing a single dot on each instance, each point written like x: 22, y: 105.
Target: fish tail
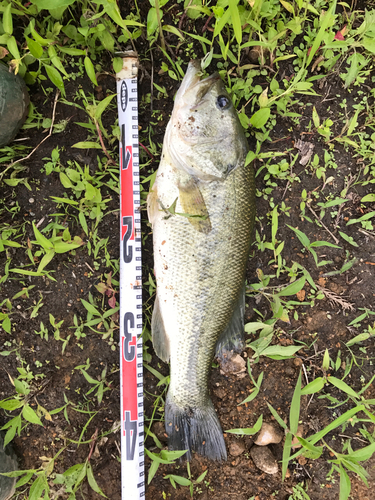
x: 195, y: 429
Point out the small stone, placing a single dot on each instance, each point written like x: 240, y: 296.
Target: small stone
x: 264, y: 459
x: 236, y: 448
x: 269, y: 434
x: 233, y: 365
x: 31, y: 200
x: 299, y: 433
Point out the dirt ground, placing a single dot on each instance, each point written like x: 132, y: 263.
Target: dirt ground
x: 325, y: 325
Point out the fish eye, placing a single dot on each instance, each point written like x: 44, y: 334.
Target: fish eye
x: 223, y: 102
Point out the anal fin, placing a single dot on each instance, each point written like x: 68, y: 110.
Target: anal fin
x: 232, y: 338
x: 160, y: 339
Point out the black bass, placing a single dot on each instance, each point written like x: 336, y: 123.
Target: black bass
x: 202, y: 210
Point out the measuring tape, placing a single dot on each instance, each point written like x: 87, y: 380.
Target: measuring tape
x: 131, y: 363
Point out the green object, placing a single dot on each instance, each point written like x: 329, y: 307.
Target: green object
x: 14, y: 105
x: 8, y: 463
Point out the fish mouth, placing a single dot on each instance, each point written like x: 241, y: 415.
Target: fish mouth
x: 193, y: 89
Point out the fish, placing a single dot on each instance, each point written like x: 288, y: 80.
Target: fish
x: 202, y: 210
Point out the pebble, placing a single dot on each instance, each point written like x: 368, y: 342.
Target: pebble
x: 299, y: 433
x: 264, y: 459
x: 235, y: 365
x: 31, y: 200
x: 236, y: 448
x: 269, y: 434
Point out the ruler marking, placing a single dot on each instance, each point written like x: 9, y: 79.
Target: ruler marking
x: 131, y: 373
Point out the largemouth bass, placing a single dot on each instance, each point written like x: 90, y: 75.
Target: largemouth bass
x: 202, y: 209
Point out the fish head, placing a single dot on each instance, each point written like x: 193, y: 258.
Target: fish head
x: 204, y: 136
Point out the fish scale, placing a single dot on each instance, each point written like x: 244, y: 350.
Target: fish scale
x: 199, y: 267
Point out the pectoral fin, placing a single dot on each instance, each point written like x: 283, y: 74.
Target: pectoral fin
x: 152, y: 204
x: 194, y: 207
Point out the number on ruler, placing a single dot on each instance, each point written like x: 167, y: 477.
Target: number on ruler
x: 129, y: 350
x: 127, y: 250
x: 130, y: 427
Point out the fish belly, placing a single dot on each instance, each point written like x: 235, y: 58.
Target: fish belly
x: 199, y: 280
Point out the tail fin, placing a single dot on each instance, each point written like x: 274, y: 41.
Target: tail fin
x: 195, y: 429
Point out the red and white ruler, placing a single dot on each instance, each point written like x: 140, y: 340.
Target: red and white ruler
x: 131, y: 361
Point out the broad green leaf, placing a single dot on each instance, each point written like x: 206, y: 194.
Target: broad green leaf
x: 369, y: 198
x: 343, y: 386
x: 67, y: 246
x: 55, y: 60
x: 56, y: 4
x: 349, y: 239
x: 279, y: 350
x: 90, y: 70
x: 325, y: 364
x: 183, y: 481
x: 358, y: 338
x: 72, y: 51
x: 46, y: 260
x: 236, y: 21
x: 255, y: 326
x: 315, y: 117
x: 55, y: 77
x: 38, y: 487
x: 287, y: 6
x: 313, y: 452
x: 260, y: 117
x: 87, y: 145
x: 82, y: 220
x: 45, y: 243
x: 152, y: 21
x: 363, y: 454
x: 92, y: 482
x: 29, y: 414
x: 345, y: 484
x: 194, y: 8
x: 10, y: 404
x: 117, y: 64
x: 301, y: 236
x: 353, y: 69
x: 101, y: 107
x: 293, y: 288
x: 172, y: 454
x: 314, y: 386
x: 152, y: 470
x: 157, y: 457
x: 368, y: 44
x: 7, y: 19
x: 12, y: 47
x: 25, y: 479
x: 35, y: 48
x: 172, y: 29
x: 90, y: 308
